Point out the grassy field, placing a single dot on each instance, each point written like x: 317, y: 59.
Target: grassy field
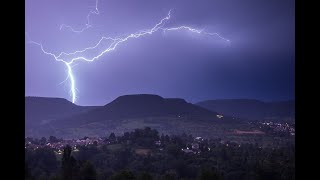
x: 114, y: 147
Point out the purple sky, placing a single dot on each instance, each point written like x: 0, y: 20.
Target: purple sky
x: 259, y: 63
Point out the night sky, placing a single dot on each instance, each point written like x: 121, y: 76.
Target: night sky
x: 259, y: 62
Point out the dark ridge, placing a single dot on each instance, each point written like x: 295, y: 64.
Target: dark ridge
x: 141, y: 106
x: 252, y: 109
x: 39, y: 110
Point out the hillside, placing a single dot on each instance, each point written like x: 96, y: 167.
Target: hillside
x: 252, y: 109
x: 43, y: 110
x: 139, y: 106
x: 127, y: 113
x: 145, y: 105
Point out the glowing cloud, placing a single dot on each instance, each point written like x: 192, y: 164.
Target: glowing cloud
x: 87, y: 25
x: 80, y: 55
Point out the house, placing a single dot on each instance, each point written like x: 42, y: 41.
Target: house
x: 144, y: 152
x: 195, y: 146
x: 188, y: 151
x: 158, y: 143
x: 219, y: 116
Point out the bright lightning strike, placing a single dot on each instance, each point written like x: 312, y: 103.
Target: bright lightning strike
x: 73, y: 88
x: 69, y: 58
x: 87, y: 25
x: 195, y: 31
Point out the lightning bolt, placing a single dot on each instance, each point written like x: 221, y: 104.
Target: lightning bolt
x: 195, y: 31
x: 69, y: 58
x: 87, y: 25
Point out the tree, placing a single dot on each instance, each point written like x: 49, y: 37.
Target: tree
x: 162, y: 138
x: 69, y: 165
x: 126, y: 136
x: 170, y: 175
x: 53, y: 139
x: 144, y: 176
x: 36, y: 141
x: 167, y: 138
x: 88, y: 172
x: 86, y: 152
x: 43, y: 141
x: 41, y: 160
x: 210, y: 174
x: 55, y: 177
x: 29, y: 139
x: 27, y: 173
x: 42, y: 176
x: 112, y: 137
x: 173, y: 149
x: 123, y: 175
x: 122, y: 158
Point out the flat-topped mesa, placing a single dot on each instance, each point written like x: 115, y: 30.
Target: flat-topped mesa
x: 137, y: 99
x: 176, y: 100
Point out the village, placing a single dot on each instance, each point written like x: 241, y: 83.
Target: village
x: 193, y: 147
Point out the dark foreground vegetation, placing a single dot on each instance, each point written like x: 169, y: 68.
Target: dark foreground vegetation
x: 144, y: 155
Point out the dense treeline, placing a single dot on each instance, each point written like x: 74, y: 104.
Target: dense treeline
x: 136, y: 155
